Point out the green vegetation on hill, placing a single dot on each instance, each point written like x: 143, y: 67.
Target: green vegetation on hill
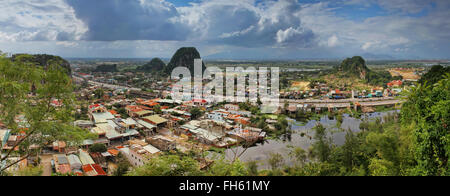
x: 43, y: 60
x: 428, y: 109
x: 379, y: 78
x: 184, y: 57
x: 106, y: 68
x: 436, y: 73
x: 155, y: 65
x: 356, y: 67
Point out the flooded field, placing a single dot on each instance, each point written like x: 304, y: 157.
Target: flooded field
x: 260, y: 152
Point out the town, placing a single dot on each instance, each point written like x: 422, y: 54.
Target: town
x: 196, y: 88
x: 140, y: 124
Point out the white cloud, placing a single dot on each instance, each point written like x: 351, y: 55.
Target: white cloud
x: 332, y: 41
x: 36, y: 20
x: 247, y: 23
x: 367, y: 45
x: 219, y: 26
x: 380, y: 34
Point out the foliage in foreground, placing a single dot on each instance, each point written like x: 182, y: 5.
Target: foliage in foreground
x: 27, y: 94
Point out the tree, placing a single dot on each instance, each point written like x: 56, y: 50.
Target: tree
x: 223, y: 167
x: 339, y: 119
x: 379, y: 167
x: 106, y: 68
x: 123, y: 112
x: 123, y: 166
x: 169, y: 165
x: 99, y: 93
x: 427, y: 108
x: 350, y: 151
x: 42, y: 123
x: 299, y: 155
x: 436, y: 73
x: 275, y: 160
x: 252, y: 168
x: 157, y: 109
x: 195, y: 113
x: 155, y: 65
x: 322, y: 147
x: 282, y: 124
x: 98, y: 148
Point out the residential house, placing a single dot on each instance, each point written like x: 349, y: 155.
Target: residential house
x: 62, y: 165
x: 156, y: 120
x: 93, y: 170
x: 161, y: 142
x: 85, y: 158
x: 74, y: 162
x: 147, y: 128
x: 139, y: 152
x: 99, y: 114
x: 233, y: 107
x: 59, y: 146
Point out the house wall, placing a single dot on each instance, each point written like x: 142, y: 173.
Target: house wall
x: 135, y: 159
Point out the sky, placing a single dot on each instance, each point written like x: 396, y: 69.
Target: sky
x: 228, y: 29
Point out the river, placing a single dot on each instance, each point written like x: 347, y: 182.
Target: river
x: 261, y: 152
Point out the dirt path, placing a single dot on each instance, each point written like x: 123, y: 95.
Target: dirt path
x: 46, y: 164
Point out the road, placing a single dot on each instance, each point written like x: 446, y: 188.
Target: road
x: 110, y: 86
x: 300, y: 101
x: 379, y: 101
x: 46, y: 164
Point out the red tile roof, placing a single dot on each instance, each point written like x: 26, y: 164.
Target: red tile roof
x: 93, y: 170
x: 199, y: 100
x: 113, y: 152
x: 113, y: 112
x: 94, y: 106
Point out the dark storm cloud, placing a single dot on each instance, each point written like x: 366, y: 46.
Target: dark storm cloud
x: 110, y: 20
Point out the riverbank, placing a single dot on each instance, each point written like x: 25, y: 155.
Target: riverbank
x: 301, y: 136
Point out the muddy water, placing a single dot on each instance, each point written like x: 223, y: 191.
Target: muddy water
x: 261, y: 152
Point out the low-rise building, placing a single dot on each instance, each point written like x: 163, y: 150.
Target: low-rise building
x: 62, y: 165
x: 156, y: 120
x: 74, y: 162
x: 93, y: 170
x: 85, y: 124
x: 139, y: 152
x: 59, y: 146
x: 231, y: 107
x: 161, y: 142
x: 85, y: 158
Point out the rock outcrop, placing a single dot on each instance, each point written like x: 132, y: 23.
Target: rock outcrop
x: 355, y: 66
x: 155, y: 65
x: 184, y: 57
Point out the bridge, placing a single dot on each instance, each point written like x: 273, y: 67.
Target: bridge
x: 345, y: 103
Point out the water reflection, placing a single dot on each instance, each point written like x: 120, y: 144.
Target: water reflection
x: 260, y: 152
